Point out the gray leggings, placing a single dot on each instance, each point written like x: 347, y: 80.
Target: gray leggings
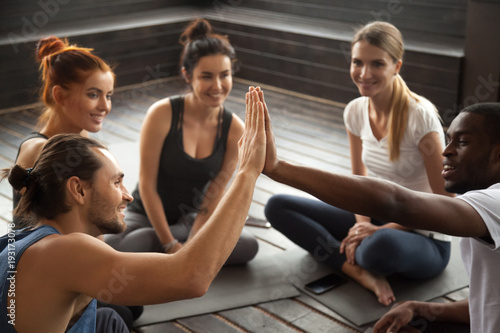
x: 140, y: 236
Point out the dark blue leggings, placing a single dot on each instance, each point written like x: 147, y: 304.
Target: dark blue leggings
x: 319, y: 228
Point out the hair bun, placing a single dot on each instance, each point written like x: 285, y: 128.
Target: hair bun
x: 48, y: 46
x: 196, y: 30
x: 18, y: 177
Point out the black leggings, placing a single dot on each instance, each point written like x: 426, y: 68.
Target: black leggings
x: 319, y: 228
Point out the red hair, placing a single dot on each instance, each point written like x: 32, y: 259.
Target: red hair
x: 64, y: 64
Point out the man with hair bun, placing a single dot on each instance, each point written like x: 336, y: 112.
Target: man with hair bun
x: 61, y: 261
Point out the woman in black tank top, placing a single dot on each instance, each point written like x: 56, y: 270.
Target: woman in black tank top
x: 189, y: 151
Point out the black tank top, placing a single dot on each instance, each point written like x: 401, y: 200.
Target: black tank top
x: 182, y: 179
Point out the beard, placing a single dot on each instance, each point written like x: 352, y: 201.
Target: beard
x: 473, y: 177
x: 99, y: 207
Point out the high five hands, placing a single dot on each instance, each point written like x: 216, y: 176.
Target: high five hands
x: 258, y: 128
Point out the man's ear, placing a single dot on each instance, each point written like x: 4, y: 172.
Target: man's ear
x: 76, y: 190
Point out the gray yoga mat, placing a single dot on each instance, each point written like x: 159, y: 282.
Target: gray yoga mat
x: 360, y: 306
x: 260, y: 280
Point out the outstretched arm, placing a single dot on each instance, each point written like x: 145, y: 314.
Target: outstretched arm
x: 86, y: 266
x: 377, y: 198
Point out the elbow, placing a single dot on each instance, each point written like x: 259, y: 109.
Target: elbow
x: 397, y: 205
x: 197, y: 285
x: 197, y: 289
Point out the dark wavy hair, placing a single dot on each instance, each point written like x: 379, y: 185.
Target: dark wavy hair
x: 199, y: 41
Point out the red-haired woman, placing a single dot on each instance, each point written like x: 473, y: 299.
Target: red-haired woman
x: 76, y: 93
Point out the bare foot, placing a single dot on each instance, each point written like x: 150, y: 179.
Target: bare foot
x: 376, y: 283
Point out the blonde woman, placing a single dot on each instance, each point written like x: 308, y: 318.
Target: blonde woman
x: 394, y: 134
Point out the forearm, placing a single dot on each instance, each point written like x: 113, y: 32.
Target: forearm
x: 212, y: 198
x: 456, y: 312
x: 358, y: 194
x: 362, y: 218
x: 209, y: 249
x: 156, y: 216
x: 397, y: 226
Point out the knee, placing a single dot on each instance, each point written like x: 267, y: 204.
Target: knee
x: 246, y: 249
x: 275, y: 208
x: 108, y: 320
x: 249, y: 245
x: 378, y: 253
x: 140, y: 240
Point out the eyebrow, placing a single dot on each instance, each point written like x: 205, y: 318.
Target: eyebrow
x: 99, y: 90
x: 224, y: 71
x: 119, y: 175
x: 458, y: 133
x: 356, y: 58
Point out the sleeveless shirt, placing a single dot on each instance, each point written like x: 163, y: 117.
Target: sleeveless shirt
x: 12, y: 247
x: 182, y: 179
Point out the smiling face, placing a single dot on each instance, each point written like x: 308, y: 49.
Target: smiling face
x: 211, y: 79
x: 471, y: 161
x: 86, y: 105
x: 373, y: 70
x: 109, y: 197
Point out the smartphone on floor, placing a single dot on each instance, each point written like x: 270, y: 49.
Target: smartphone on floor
x: 325, y: 283
x: 255, y: 222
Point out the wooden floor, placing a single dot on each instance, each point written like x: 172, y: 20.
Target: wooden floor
x: 308, y: 131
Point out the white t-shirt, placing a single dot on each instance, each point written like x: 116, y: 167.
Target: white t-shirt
x: 409, y: 170
x: 482, y: 261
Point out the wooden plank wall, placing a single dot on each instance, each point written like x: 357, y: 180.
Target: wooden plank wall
x: 442, y: 17
x: 305, y: 46
x: 30, y: 15
x: 299, y: 46
x: 139, y: 36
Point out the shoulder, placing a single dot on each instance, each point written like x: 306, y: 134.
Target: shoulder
x: 355, y: 107
x: 353, y: 114
x: 159, y: 115
x: 29, y: 150
x: 423, y: 113
x: 422, y: 108
x: 357, y: 103
x: 485, y: 203
x: 161, y: 106
x: 56, y: 251
x: 65, y: 244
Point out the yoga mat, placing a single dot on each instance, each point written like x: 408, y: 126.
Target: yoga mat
x: 360, y: 306
x: 260, y: 280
